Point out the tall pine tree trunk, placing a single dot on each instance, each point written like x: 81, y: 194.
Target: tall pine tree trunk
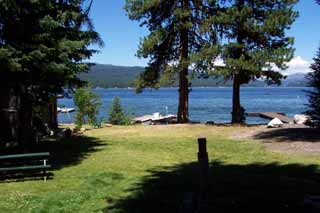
x: 236, y: 106
x: 183, y: 110
x: 25, y: 124
x: 13, y: 107
x: 9, y: 103
x: 237, y: 110
x: 53, y: 114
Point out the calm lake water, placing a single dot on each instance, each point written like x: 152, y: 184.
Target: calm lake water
x: 206, y: 104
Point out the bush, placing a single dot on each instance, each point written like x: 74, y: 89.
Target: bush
x: 116, y: 114
x: 88, y: 104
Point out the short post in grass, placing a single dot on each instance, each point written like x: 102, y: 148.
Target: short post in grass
x: 203, y: 166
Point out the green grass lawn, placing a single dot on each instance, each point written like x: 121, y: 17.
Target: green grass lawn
x: 152, y: 169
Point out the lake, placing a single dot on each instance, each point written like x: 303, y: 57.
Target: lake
x: 206, y: 104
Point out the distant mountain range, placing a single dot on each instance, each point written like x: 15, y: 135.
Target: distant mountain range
x: 296, y: 80
x: 110, y: 76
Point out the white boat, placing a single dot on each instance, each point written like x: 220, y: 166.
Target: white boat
x: 156, y: 118
x: 65, y: 109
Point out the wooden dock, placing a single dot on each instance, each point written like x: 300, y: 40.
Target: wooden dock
x: 271, y: 115
x: 156, y: 120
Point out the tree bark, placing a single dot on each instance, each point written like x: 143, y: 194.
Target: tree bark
x: 14, y: 101
x: 53, y: 114
x: 237, y: 110
x: 25, y: 124
x: 236, y: 106
x: 9, y: 103
x: 183, y: 109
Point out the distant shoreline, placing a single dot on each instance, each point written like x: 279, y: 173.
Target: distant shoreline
x: 206, y: 103
x: 200, y: 87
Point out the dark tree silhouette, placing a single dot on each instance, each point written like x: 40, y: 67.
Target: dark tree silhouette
x: 314, y: 94
x: 42, y: 48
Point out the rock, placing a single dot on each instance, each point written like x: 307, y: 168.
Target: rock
x: 108, y: 125
x: 67, y: 133
x: 210, y: 123
x: 301, y: 119
x: 275, y: 123
x: 82, y: 129
x: 64, y: 133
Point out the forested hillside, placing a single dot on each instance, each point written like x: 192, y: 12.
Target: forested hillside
x: 109, y: 76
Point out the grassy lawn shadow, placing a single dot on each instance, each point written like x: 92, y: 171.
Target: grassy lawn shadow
x: 69, y: 151
x: 251, y: 188
x: 290, y: 135
x: 63, y: 153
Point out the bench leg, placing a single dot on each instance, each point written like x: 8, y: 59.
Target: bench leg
x: 44, y: 176
x: 44, y: 171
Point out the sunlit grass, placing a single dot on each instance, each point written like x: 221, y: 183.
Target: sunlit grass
x: 120, y: 158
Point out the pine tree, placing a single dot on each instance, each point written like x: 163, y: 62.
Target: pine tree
x: 254, y: 44
x: 314, y: 94
x: 88, y: 104
x: 180, y: 35
x: 42, y: 48
x: 116, y: 114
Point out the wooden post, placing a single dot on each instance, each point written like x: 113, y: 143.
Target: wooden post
x: 203, y: 167
x: 194, y: 202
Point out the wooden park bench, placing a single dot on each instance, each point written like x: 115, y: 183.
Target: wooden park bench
x: 30, y: 162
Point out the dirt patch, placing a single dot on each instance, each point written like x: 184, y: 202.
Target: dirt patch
x: 247, y: 132
x: 290, y: 138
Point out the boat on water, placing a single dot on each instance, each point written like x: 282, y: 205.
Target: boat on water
x: 156, y: 118
x: 65, y: 109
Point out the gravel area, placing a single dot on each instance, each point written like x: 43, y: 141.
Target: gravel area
x: 290, y: 138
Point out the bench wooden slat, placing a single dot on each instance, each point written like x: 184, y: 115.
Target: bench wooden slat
x: 29, y: 155
x: 22, y: 162
x: 25, y: 168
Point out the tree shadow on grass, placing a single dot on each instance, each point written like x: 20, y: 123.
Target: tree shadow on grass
x: 290, y: 135
x: 63, y: 153
x: 70, y: 151
x: 251, y: 188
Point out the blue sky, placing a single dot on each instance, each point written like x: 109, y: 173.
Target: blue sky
x: 121, y: 35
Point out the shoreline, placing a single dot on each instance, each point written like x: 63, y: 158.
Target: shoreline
x: 200, y: 87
